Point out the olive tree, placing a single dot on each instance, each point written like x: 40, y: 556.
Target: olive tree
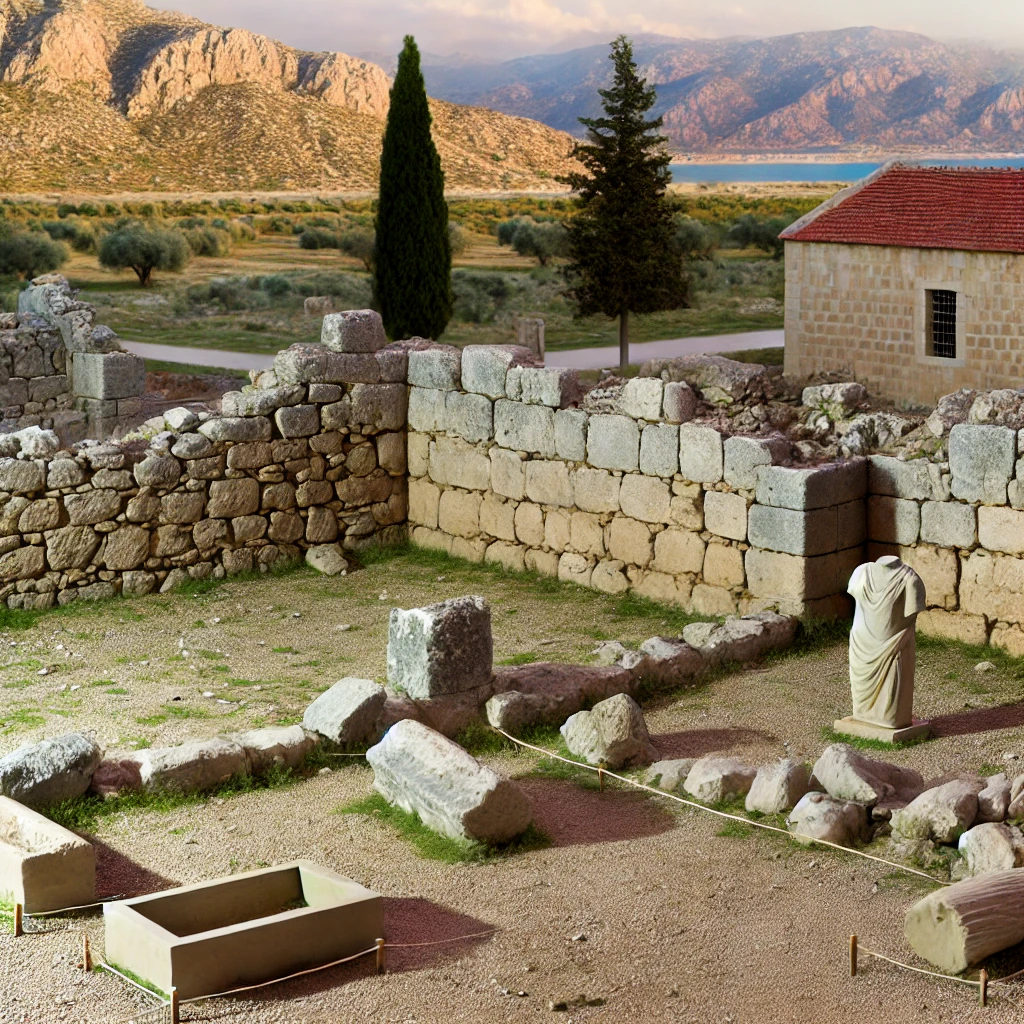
x: 144, y: 250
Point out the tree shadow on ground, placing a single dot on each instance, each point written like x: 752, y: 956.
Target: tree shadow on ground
x: 120, y: 876
x: 573, y: 816
x: 963, y: 723
x: 698, y: 742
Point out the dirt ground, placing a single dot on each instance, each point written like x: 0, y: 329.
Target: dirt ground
x: 659, y: 912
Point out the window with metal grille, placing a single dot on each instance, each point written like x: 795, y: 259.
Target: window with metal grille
x: 941, y: 305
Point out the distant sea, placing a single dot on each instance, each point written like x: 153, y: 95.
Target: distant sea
x: 811, y: 171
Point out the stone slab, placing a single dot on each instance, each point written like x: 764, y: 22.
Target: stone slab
x: 851, y: 726
x: 801, y: 489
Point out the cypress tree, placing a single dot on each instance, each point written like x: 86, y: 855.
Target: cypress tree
x: 413, y: 256
x: 622, y: 253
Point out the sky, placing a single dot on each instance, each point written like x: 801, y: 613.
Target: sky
x: 502, y: 29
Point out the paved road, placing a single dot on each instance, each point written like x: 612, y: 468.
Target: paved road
x: 578, y: 358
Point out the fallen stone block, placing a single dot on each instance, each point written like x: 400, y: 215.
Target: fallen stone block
x: 51, y: 771
x: 347, y: 713
x: 512, y: 711
x: 958, y: 926
x: 819, y: 816
x: 442, y: 648
x: 714, y: 778
x: 452, y: 713
x: 613, y: 733
x: 994, y: 799
x: 778, y: 787
x: 327, y: 558
x: 425, y: 774
x: 42, y: 865
x: 741, y: 639
x: 991, y: 847
x: 942, y: 813
x: 671, y: 774
x: 847, y: 774
x: 192, y: 767
x: 286, y: 746
x: 484, y: 367
x: 669, y: 661
x: 114, y: 777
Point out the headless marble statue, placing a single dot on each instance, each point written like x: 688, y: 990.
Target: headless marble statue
x: 889, y: 596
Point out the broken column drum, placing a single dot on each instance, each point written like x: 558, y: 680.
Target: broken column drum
x: 889, y: 596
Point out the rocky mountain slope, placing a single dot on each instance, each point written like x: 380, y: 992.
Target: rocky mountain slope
x: 850, y: 89
x: 112, y: 95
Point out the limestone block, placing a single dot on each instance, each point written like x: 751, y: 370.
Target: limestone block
x: 508, y: 475
x: 426, y: 774
x: 171, y: 540
x: 571, y: 434
x: 71, y: 547
x: 941, y: 814
x: 321, y: 525
x: 279, y: 496
x: 893, y: 520
x: 678, y: 551
x: 432, y: 540
x: 195, y: 766
x: 1001, y: 529
x: 669, y: 775
x: 547, y: 483
x: 370, y: 408
x: 710, y: 600
x: 801, y: 489
x: 427, y: 409
x: 669, y: 661
x: 453, y: 462
x: 230, y: 498
x: 938, y: 568
x: 257, y: 402
x: 458, y: 513
x: 529, y: 523
x: 525, y: 428
x: 899, y: 479
x: 235, y: 428
x: 176, y: 507
x: 126, y: 548
x: 852, y: 526
x: 608, y: 577
x: 43, y: 866
x: 847, y: 774
x: 713, y: 779
x: 323, y: 394
x: 544, y: 563
x: 613, y: 442
x: 556, y: 530
x: 723, y: 566
x: 659, y: 586
x: 629, y: 541
x: 659, y: 450
x: 511, y: 557
x: 612, y: 733
x: 497, y: 517
x: 586, y: 534
x: 819, y: 816
x: 949, y: 524
x: 484, y: 367
x: 992, y: 585
x: 469, y: 416
x: 1008, y: 638
x: 680, y: 402
x: 43, y: 514
x: 391, y: 453
x: 436, y: 367
x: 688, y: 505
x: 701, y: 454
x: 743, y: 456
x: 108, y: 375
x: 393, y: 361
x: 781, y: 575
x: 595, y: 490
x: 442, y: 648
x: 355, y: 330
x: 814, y: 532
x: 162, y: 471
x: 640, y: 398
x: 192, y: 446
x: 250, y: 455
x: 348, y: 713
x: 554, y: 386
x: 138, y: 583
x: 287, y: 746
x: 246, y: 528
x: 990, y: 847
x: 22, y: 476
x: 300, y: 364
x: 574, y: 568
x: 981, y: 462
x: 725, y: 514
x: 417, y: 452
x: 968, y: 629
x: 64, y: 473
x: 778, y: 787
x: 645, y: 498
x: 50, y: 771
x: 298, y: 420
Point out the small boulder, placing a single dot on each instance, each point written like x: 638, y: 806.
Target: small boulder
x: 327, y: 558
x: 778, y: 787
x: 820, y: 816
x: 608, y: 652
x: 347, y: 713
x: 991, y: 846
x: 713, y: 779
x: 1015, y: 810
x: 846, y: 774
x: 669, y: 775
x: 51, y: 771
x: 942, y: 813
x: 513, y: 711
x: 426, y: 774
x: 994, y: 799
x: 613, y: 734
x: 192, y: 767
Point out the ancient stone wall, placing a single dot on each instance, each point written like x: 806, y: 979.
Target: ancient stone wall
x: 860, y: 309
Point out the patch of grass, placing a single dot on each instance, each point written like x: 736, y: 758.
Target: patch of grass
x: 193, y: 369
x: 186, y: 711
x: 765, y: 356
x: 151, y: 720
x: 1005, y: 663
x: 283, y: 650
x: 102, y: 682
x: 434, y: 846
x: 117, y: 691
x: 736, y: 830
x: 829, y: 735
x: 525, y: 658
x: 141, y: 982
x: 21, y: 718
x: 18, y: 684
x: 211, y: 655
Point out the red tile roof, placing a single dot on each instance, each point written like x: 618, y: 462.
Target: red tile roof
x: 967, y: 208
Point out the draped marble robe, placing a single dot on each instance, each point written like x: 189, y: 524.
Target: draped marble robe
x: 883, y: 649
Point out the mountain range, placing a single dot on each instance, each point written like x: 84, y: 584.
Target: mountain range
x: 111, y: 95
x: 845, y: 90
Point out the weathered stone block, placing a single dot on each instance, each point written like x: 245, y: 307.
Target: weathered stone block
x: 257, y: 402
x: 458, y: 512
x: 586, y: 534
x: 69, y: 548
x: 230, y: 498
x: 348, y: 712
x: 438, y: 366
x: 195, y: 766
x: 781, y: 575
x: 899, y: 479
x: 553, y: 386
x: 893, y: 520
x: 659, y: 450
x: 484, y: 367
x: 949, y: 524
x: 745, y: 455
x: 613, y: 442
x: 596, y: 490
x: 571, y: 434
x: 992, y: 585
x: 723, y: 566
x: 679, y: 402
x: 237, y: 428
x: 22, y: 476
x: 442, y: 648
x: 298, y: 420
x: 798, y: 533
x: 801, y: 489
x: 557, y: 530
x: 574, y: 568
x: 630, y: 541
x: 645, y: 498
x: 369, y: 408
x: 1001, y: 529
x: 426, y: 409
x: 981, y: 462
x: 547, y: 483
x: 701, y: 454
x: 355, y: 330
x: 524, y: 428
x: 508, y: 476
x: 511, y: 557
x: 108, y: 375
x: 678, y: 551
x: 529, y: 524
x: 51, y: 771
x: 640, y: 398
x: 613, y: 734
x: 90, y: 507
x: 725, y: 514
x: 608, y: 577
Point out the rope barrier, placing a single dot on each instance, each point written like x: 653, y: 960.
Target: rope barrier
x: 919, y: 970
x: 601, y: 772
x: 438, y: 942
x: 103, y: 965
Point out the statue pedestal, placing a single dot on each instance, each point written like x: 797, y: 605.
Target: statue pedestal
x: 851, y: 726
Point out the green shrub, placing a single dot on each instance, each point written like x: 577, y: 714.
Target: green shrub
x: 144, y: 250
x: 318, y: 238
x: 28, y: 254
x: 208, y: 241
x: 79, y: 236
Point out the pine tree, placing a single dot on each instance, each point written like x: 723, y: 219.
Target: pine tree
x: 622, y: 254
x: 413, y: 257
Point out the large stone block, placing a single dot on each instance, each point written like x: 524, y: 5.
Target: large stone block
x: 801, y: 489
x: 557, y: 527
x: 525, y: 428
x: 949, y: 524
x: 126, y: 548
x: 298, y: 420
x: 613, y: 442
x: 701, y: 454
x: 799, y: 533
x: 678, y: 551
x: 22, y: 476
x: 1001, y: 529
x: 71, y: 547
x: 348, y: 712
x: 596, y: 490
x: 508, y: 475
x: 469, y: 416
x: 659, y: 449
x: 237, y: 428
x: 438, y: 366
x: 230, y: 498
x: 529, y: 523
x: 776, y: 574
x: 301, y: 364
x: 91, y: 507
x: 553, y: 386
x: 571, y: 434
x: 725, y: 514
x: 586, y: 534
x: 613, y: 734
x: 355, y: 330
x: 723, y: 566
x: 630, y: 541
x: 107, y: 375
x: 893, y: 520
x: 484, y: 367
x: 981, y: 462
x: 548, y: 483
x: 640, y: 398
x: 424, y: 499
x: 193, y: 767
x: 369, y: 408
x: 745, y: 455
x: 256, y: 402
x: 899, y: 479
x: 427, y: 409
x: 454, y: 462
x: 575, y: 568
x: 51, y: 771
x: 442, y: 648
x: 426, y: 774
x: 458, y: 513
x: 992, y: 585
x: 680, y: 402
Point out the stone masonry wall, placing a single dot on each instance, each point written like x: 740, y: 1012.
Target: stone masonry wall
x: 859, y: 309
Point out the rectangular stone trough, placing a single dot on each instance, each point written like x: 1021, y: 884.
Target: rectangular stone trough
x: 43, y: 866
x: 242, y: 930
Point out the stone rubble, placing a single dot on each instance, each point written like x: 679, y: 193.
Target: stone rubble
x: 612, y: 734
